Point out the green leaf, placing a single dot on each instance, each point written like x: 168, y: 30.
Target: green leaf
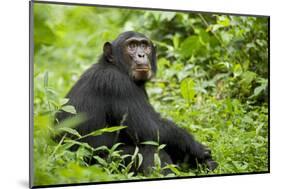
x: 222, y: 66
x: 164, y: 62
x: 167, y: 16
x: 223, y: 21
x: 101, y: 148
x: 226, y: 37
x: 72, y: 121
x: 176, y: 41
x: 135, y: 153
x: 161, y: 146
x: 86, y: 145
x: 130, y: 175
x: 237, y: 70
x: 104, y: 130
x: 140, y: 160
x: 258, y: 90
x: 115, y: 146
x: 173, y: 168
x: 190, y: 45
x: 100, y: 160
x: 69, y: 109
x: 69, y: 130
x: 187, y: 89
x: 113, y: 129
x: 157, y: 160
x: 63, y: 101
x: 150, y: 143
x: 46, y: 78
x: 204, y: 36
x: 247, y: 78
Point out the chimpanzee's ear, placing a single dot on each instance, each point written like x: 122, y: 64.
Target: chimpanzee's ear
x: 107, y: 51
x: 154, y: 59
x: 155, y: 48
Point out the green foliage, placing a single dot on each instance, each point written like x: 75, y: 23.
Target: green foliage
x: 187, y: 89
x: 212, y: 80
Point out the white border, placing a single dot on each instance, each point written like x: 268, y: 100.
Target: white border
x: 14, y: 92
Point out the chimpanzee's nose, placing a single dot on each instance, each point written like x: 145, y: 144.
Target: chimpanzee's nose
x: 141, y: 55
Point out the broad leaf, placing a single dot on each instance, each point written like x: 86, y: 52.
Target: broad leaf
x: 187, y: 89
x: 69, y: 109
x: 70, y: 130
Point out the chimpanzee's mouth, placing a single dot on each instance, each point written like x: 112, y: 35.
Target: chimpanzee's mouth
x: 144, y: 69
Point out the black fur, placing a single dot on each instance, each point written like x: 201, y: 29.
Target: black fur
x: 106, y: 93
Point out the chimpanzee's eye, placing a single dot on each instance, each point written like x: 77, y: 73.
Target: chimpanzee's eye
x: 132, y: 46
x: 143, y: 46
x: 148, y: 49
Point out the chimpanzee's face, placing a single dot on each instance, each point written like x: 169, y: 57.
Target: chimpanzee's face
x: 138, y: 54
x: 134, y: 53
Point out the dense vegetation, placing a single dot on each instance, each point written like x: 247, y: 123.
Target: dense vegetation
x: 212, y: 80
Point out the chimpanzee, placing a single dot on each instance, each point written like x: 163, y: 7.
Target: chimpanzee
x: 112, y: 92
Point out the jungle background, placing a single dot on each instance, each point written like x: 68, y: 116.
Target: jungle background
x: 212, y: 80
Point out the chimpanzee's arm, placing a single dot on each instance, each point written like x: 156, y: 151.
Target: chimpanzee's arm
x: 183, y: 147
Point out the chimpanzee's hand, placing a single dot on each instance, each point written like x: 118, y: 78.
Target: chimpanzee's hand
x: 204, y: 156
x: 211, y: 164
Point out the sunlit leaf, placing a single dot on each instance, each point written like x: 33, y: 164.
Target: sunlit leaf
x: 190, y: 45
x: 70, y: 130
x: 187, y: 89
x: 63, y: 101
x: 140, y: 160
x: 69, y: 109
x: 223, y: 21
x: 150, y: 143
x: 237, y: 70
x: 104, y: 130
